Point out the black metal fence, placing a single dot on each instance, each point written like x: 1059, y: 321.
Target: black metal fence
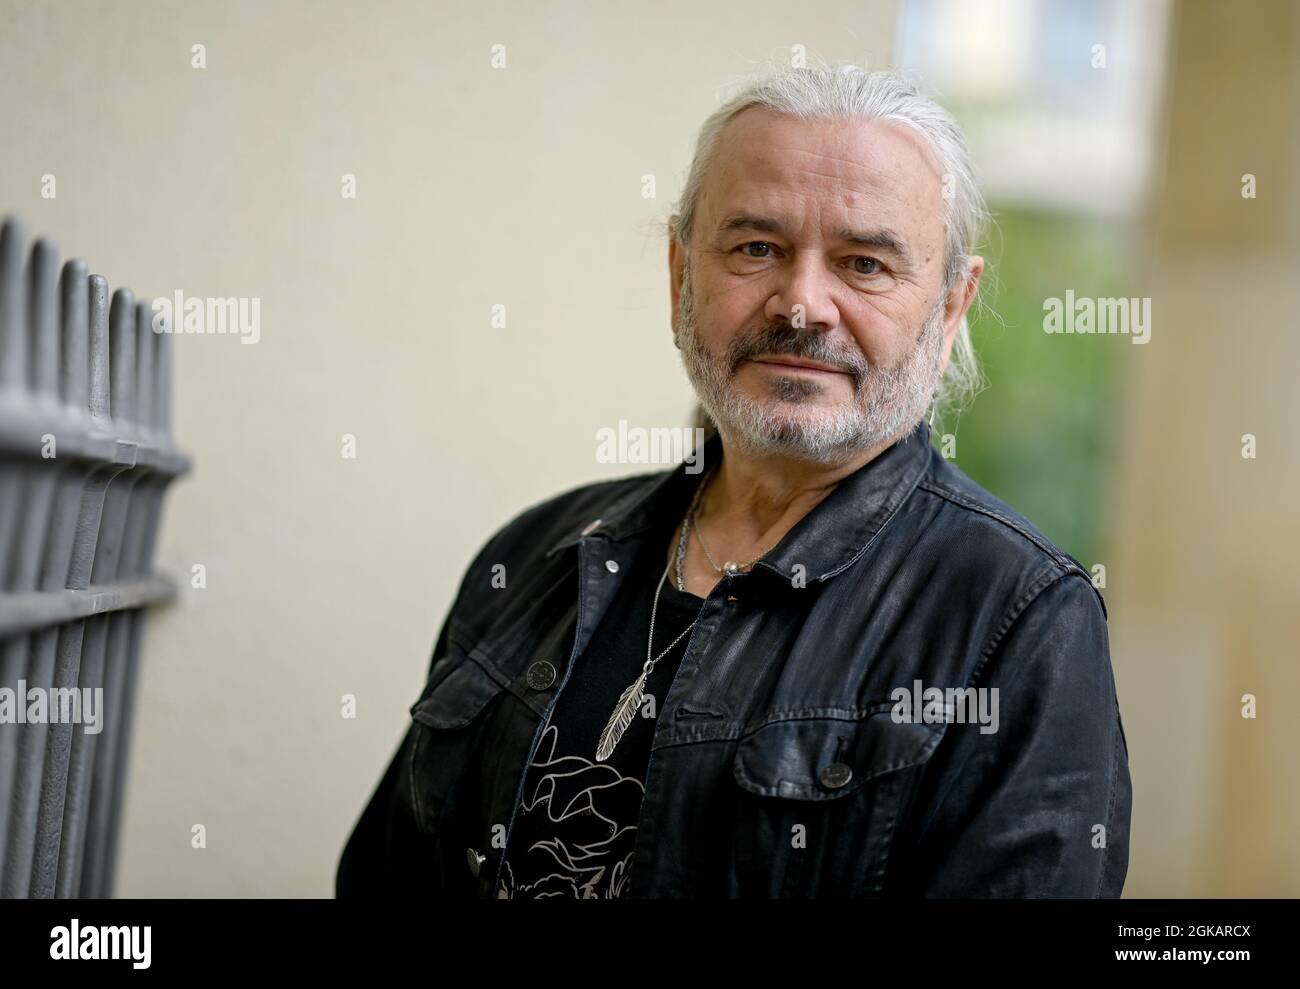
x: 86, y: 454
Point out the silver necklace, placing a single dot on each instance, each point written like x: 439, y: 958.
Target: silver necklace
x: 730, y: 566
x: 628, y: 702
x: 686, y: 528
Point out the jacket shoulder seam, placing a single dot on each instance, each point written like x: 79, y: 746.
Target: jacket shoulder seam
x: 1018, y: 608
x: 957, y: 498
x: 1045, y: 546
x: 555, y: 510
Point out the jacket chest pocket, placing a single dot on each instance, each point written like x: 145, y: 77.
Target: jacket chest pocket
x: 450, y: 724
x: 818, y: 800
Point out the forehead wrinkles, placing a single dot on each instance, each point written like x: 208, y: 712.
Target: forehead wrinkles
x: 881, y: 168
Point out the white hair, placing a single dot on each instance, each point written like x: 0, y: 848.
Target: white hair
x: 847, y: 90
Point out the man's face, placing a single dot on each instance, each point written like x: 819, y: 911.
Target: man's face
x: 811, y: 313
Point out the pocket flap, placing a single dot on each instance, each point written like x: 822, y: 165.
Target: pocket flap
x: 826, y: 758
x: 456, y: 698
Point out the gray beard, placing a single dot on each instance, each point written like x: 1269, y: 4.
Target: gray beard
x: 886, y: 401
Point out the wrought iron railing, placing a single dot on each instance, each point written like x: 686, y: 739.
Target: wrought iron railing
x: 86, y: 454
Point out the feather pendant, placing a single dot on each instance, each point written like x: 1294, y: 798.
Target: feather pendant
x: 623, y: 714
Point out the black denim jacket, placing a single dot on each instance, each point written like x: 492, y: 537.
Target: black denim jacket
x: 782, y: 762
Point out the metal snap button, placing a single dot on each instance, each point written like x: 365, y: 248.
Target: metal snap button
x: 835, y: 775
x: 475, y: 860
x: 611, y: 566
x: 540, y: 675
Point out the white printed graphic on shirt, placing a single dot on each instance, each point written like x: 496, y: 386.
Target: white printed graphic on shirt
x: 578, y: 795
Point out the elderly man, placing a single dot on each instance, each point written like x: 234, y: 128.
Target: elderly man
x: 829, y: 665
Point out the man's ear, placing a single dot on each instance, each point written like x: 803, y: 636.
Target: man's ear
x: 961, y: 295
x: 958, y: 300
x: 676, y: 264
x: 963, y: 291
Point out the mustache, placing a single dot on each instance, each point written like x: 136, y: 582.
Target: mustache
x: 784, y: 340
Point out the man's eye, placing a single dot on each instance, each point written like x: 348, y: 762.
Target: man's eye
x: 762, y: 244
x: 866, y: 266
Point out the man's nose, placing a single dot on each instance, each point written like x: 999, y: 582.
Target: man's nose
x: 805, y: 295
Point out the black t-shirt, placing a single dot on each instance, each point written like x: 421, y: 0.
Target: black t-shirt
x: 575, y: 829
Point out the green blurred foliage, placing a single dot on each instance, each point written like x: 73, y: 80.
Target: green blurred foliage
x: 1040, y: 435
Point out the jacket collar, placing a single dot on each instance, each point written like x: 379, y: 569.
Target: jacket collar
x: 825, y: 541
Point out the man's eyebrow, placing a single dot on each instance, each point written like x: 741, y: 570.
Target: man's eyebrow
x: 747, y: 221
x: 880, y: 240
